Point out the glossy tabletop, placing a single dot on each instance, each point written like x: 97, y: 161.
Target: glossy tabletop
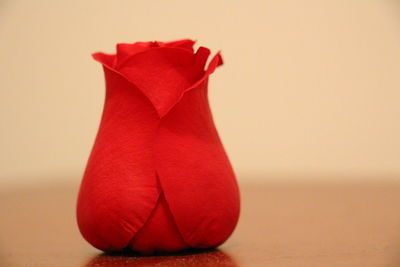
x: 281, y: 224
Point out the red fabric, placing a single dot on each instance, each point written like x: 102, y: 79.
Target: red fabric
x: 158, y: 178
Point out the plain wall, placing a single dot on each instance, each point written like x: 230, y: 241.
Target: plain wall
x: 308, y: 89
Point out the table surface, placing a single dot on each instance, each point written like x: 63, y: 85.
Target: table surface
x: 281, y: 224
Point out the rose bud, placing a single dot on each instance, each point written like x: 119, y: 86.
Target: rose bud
x: 158, y: 178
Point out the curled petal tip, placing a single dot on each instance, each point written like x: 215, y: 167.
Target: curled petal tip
x: 103, y: 58
x: 220, y: 60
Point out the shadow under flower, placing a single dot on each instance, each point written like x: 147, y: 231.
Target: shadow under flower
x: 209, y: 257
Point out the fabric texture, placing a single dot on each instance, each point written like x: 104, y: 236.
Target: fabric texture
x: 158, y: 178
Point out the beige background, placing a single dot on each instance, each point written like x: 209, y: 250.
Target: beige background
x: 310, y: 89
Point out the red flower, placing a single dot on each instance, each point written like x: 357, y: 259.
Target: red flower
x: 158, y: 178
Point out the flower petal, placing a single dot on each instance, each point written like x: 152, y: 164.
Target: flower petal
x: 119, y: 189
x: 195, y: 172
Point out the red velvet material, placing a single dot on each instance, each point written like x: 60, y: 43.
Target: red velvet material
x: 158, y: 178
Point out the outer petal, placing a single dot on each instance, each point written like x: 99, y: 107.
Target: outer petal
x: 194, y: 171
x: 119, y: 189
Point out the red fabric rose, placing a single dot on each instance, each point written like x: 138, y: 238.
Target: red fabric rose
x: 158, y: 178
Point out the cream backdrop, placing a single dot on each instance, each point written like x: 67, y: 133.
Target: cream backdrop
x: 309, y: 89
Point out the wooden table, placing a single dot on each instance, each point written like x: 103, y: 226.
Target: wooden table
x: 292, y: 224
